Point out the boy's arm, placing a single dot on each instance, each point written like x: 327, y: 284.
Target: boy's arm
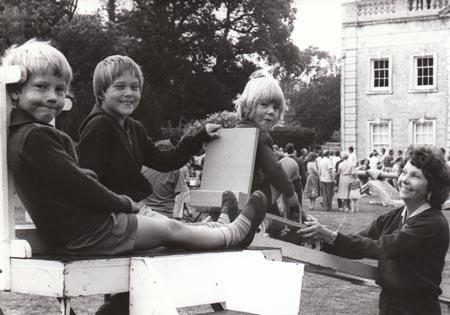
x: 271, y: 166
x: 58, y: 169
x: 172, y: 159
x: 96, y: 145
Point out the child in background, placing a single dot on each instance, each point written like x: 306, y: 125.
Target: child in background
x: 73, y: 212
x: 354, y: 194
x: 262, y: 105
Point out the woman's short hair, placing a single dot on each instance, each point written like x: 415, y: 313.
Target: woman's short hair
x: 311, y: 157
x: 431, y: 162
x: 109, y: 69
x: 39, y: 57
x: 261, y: 88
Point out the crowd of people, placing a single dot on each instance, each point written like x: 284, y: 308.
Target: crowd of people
x: 332, y: 173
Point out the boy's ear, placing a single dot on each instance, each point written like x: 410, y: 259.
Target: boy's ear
x: 14, y: 91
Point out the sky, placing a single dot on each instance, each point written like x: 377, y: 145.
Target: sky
x: 318, y: 23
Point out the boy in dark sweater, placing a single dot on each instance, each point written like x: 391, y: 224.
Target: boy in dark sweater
x: 73, y: 212
x: 116, y: 146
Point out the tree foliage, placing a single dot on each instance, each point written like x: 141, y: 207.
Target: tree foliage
x: 314, y: 100
x: 317, y: 106
x: 301, y: 137
x: 196, y: 55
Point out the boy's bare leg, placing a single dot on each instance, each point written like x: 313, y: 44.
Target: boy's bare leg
x: 152, y: 233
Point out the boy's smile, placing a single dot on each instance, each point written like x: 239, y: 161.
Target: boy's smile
x: 42, y: 96
x: 266, y: 115
x: 122, y: 97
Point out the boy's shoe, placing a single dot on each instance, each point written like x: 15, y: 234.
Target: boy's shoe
x: 255, y: 211
x: 229, y: 205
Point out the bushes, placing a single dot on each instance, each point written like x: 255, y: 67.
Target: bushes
x: 299, y: 136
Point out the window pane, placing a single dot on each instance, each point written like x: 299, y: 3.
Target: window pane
x: 423, y: 132
x: 425, y: 73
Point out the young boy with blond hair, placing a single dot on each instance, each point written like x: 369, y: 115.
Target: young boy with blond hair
x: 262, y: 105
x: 74, y: 213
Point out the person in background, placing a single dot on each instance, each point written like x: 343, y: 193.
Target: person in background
x: 388, y: 161
x: 352, y: 155
x: 410, y: 243
x: 312, y: 182
x: 166, y: 186
x: 292, y: 153
x: 345, y: 170
x: 374, y: 159
x: 303, y: 172
x: 326, y: 175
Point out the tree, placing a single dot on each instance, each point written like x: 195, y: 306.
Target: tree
x: 314, y: 96
x: 22, y: 20
x: 317, y: 106
x: 197, y: 55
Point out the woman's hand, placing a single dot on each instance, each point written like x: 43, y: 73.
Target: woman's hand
x: 315, y: 232
x: 212, y: 130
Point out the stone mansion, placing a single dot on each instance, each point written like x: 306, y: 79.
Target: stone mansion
x: 395, y: 74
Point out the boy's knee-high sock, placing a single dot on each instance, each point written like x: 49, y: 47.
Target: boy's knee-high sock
x: 241, y: 231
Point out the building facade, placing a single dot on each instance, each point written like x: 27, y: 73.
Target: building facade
x: 395, y: 74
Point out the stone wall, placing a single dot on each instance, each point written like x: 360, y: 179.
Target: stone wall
x: 395, y: 33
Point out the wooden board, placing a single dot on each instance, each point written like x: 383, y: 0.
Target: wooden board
x: 228, y: 165
x: 331, y: 265
x: 159, y: 285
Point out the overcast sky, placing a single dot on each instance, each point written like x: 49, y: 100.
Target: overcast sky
x: 318, y: 23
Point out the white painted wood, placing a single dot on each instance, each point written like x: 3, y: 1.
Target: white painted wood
x: 159, y: 285
x: 39, y: 277
x: 147, y: 292
x: 268, y: 287
x: 7, y: 75
x: 20, y: 249
x: 96, y: 276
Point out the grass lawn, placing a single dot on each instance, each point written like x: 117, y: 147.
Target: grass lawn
x: 321, y: 295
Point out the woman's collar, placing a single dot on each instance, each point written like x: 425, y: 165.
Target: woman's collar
x: 422, y: 208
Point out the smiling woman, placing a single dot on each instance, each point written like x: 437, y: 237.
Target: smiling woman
x: 410, y: 243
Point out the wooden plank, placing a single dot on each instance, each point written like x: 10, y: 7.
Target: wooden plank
x: 229, y: 163
x: 10, y: 74
x: 39, y: 277
x: 341, y: 266
x: 96, y: 276
x: 159, y: 285
x: 82, y: 276
x: 272, y: 217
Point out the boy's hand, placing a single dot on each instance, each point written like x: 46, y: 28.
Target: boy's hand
x: 212, y: 130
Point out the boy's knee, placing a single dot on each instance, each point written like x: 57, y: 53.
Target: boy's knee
x: 175, y: 227
x: 290, y: 167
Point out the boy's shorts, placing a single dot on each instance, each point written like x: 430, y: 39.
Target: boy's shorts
x: 116, y: 236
